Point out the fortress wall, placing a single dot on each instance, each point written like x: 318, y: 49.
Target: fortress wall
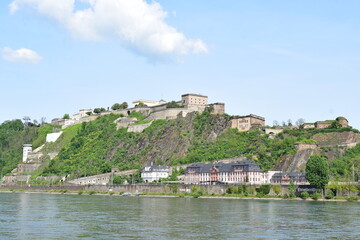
x: 138, y: 127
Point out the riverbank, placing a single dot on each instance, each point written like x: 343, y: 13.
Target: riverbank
x: 177, y: 195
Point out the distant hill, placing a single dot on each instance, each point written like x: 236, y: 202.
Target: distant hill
x: 96, y: 147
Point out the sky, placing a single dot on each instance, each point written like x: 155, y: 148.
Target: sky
x: 277, y: 59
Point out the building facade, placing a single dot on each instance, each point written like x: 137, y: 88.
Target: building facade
x: 286, y: 177
x: 27, y: 149
x: 153, y: 173
x: 193, y: 99
x: 245, y: 123
x: 238, y: 172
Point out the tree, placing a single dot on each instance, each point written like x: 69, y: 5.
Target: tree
x: 289, y: 122
x: 275, y: 123
x: 99, y: 110
x: 116, y: 106
x: 317, y: 171
x: 124, y: 105
x: 66, y: 116
x: 292, y: 189
x: 300, y: 122
x: 335, y: 124
x: 43, y: 120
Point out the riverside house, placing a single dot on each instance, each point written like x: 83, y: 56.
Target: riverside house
x: 238, y: 172
x: 153, y: 173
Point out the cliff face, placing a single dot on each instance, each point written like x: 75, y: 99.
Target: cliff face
x: 337, y: 139
x: 332, y: 145
x: 295, y: 162
x: 171, y: 140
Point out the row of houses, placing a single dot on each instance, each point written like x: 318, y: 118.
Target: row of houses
x: 241, y: 172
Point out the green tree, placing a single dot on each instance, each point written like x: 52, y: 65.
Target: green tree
x: 317, y: 171
x: 276, y: 189
x: 335, y: 124
x: 140, y: 104
x: 99, y: 110
x: 124, y: 105
x: 66, y: 116
x: 292, y: 189
x: 116, y: 106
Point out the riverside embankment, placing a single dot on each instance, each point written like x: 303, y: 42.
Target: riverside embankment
x: 147, y: 190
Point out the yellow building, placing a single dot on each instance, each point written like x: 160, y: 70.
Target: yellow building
x: 193, y: 99
x: 245, y: 123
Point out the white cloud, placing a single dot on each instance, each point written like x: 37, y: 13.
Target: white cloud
x: 21, y: 55
x: 140, y: 25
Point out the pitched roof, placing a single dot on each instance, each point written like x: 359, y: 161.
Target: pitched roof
x: 246, y: 166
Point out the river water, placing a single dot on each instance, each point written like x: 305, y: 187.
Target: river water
x: 56, y: 216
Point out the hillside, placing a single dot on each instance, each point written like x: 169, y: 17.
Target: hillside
x: 97, y: 147
x: 13, y: 134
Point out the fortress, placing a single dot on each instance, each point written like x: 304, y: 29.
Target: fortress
x: 153, y: 110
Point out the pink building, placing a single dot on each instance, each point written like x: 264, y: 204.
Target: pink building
x: 238, y: 172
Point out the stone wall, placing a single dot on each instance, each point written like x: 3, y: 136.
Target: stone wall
x: 218, y: 108
x: 52, y: 137
x: 273, y: 131
x: 101, y: 179
x: 125, y: 122
x: 138, y: 127
x: 304, y: 146
x: 13, y: 180
x: 27, y: 167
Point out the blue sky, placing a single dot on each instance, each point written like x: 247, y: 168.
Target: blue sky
x: 278, y: 59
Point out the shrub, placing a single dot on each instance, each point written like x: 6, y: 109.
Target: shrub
x: 329, y: 194
x: 80, y: 192
x: 232, y: 190
x: 276, y: 189
x: 196, y: 195
x: 352, y: 198
x: 260, y: 195
x: 304, y: 195
x: 263, y: 189
x: 91, y: 192
x: 315, y: 196
x: 291, y: 189
x: 174, y: 188
x: 194, y: 188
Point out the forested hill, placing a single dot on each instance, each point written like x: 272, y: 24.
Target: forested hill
x: 13, y: 134
x: 96, y: 147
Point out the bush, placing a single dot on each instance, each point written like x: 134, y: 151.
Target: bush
x: 352, y: 198
x: 174, y: 188
x: 329, y: 194
x: 91, y: 192
x: 260, y: 195
x: 276, y: 189
x: 194, y: 188
x: 304, y: 195
x: 264, y: 189
x: 232, y: 190
x: 315, y: 196
x: 80, y: 192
